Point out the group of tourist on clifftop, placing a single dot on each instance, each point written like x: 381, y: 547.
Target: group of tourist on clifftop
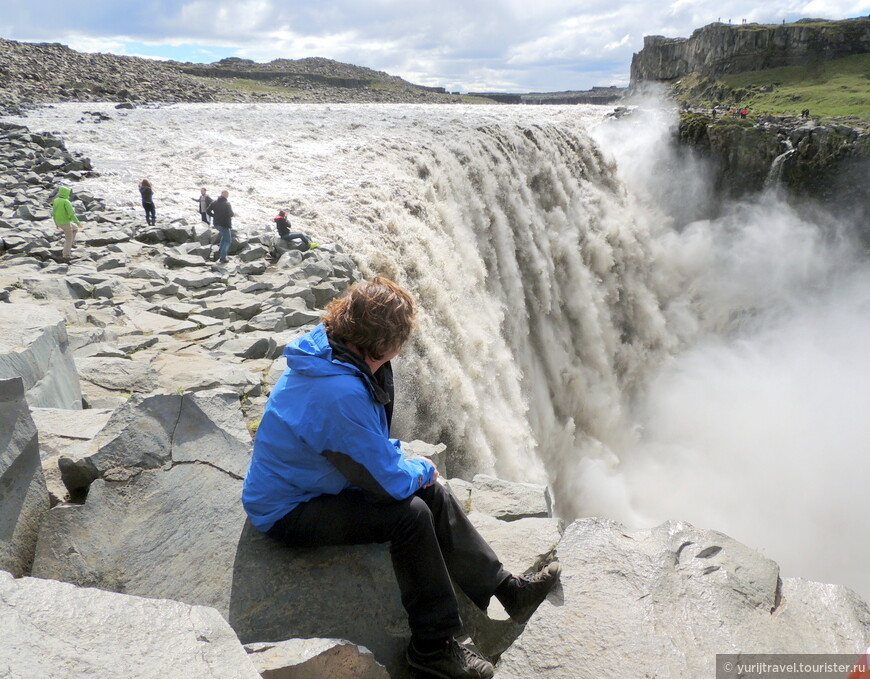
x: 217, y: 213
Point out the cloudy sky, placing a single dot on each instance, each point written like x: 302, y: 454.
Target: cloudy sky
x: 466, y: 45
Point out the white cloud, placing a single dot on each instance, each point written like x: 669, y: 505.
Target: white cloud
x: 619, y: 43
x: 832, y: 8
x: 504, y: 44
x: 84, y: 43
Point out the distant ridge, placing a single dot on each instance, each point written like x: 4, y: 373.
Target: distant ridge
x: 40, y: 73
x: 596, y: 95
x: 36, y: 73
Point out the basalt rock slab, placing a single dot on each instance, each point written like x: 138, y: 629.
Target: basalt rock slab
x: 54, y: 629
x: 670, y: 599
x: 196, y: 370
x: 107, y: 382
x: 34, y: 346
x: 157, y: 324
x: 23, y: 494
x: 502, y: 499
x: 162, y: 524
x: 60, y: 433
x: 148, y: 432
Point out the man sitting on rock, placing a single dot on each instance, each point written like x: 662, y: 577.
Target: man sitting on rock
x: 288, y: 236
x: 325, y: 472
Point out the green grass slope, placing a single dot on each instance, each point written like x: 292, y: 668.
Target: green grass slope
x: 839, y: 87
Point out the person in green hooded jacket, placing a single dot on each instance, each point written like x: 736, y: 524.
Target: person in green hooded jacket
x: 64, y: 219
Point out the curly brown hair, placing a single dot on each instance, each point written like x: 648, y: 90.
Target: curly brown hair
x: 377, y: 316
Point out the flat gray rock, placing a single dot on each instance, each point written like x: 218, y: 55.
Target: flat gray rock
x: 61, y: 432
x: 34, y: 346
x: 100, y: 350
x: 57, y: 427
x: 175, y: 260
x: 523, y: 546
x: 180, y: 310
x: 253, y: 268
x: 670, y: 599
x: 23, y: 494
x: 233, y: 306
x: 194, y: 280
x: 54, y: 629
x: 505, y: 500
x: 295, y: 319
x: 157, y: 324
x: 196, y: 371
x: 157, y: 525
x: 152, y: 431
x: 267, y: 321
x: 117, y: 374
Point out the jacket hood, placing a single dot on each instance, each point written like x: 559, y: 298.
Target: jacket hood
x: 63, y: 192
x: 311, y: 354
x: 317, y: 355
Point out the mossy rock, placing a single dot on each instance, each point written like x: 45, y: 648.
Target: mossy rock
x: 693, y: 129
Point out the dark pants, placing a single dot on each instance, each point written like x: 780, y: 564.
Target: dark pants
x: 205, y: 218
x: 430, y: 540
x: 150, y: 214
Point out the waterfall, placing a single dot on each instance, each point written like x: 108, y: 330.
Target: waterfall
x: 541, y: 309
x: 774, y: 175
x: 582, y: 323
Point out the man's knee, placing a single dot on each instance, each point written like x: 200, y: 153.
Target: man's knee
x: 436, y: 496
x: 412, y: 516
x: 418, y: 510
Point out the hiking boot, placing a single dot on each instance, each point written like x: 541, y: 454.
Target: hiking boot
x: 522, y: 594
x: 454, y: 661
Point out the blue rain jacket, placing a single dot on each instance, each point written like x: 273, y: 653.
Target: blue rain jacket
x: 323, y: 430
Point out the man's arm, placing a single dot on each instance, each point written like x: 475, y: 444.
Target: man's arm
x: 355, y: 442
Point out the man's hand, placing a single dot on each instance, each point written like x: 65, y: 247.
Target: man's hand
x: 434, y: 473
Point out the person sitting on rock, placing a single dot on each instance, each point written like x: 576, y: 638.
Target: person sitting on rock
x: 284, y: 232
x: 148, y: 201
x: 64, y: 216
x: 324, y: 471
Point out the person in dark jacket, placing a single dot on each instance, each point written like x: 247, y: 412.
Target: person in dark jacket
x: 221, y: 213
x: 204, y: 200
x: 284, y: 232
x: 148, y: 201
x: 324, y: 471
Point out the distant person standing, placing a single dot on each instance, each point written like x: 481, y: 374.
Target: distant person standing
x: 148, y: 201
x: 64, y: 216
x: 204, y: 201
x: 284, y: 232
x: 221, y: 213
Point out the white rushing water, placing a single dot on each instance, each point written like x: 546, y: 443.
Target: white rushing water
x: 574, y: 329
